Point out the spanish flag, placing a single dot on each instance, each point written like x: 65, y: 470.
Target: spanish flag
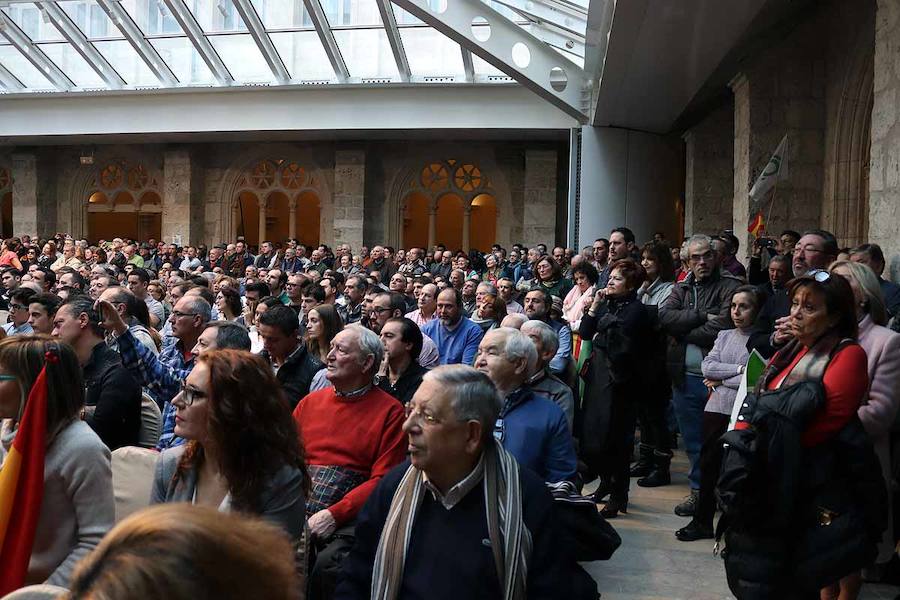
x: 757, y: 225
x: 22, y: 489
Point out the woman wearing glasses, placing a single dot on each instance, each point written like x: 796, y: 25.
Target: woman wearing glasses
x: 243, y: 452
x: 825, y: 523
x: 77, y: 508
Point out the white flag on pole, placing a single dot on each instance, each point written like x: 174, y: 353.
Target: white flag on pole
x: 776, y: 168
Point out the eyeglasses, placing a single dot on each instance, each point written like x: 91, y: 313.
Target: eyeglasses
x: 7, y: 377
x: 178, y: 314
x: 807, y: 249
x: 705, y: 256
x: 16, y: 306
x: 189, y: 395
x: 819, y: 275
x: 421, y: 417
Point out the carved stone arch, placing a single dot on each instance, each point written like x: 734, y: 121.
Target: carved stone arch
x: 405, y: 180
x: 232, y: 184
x: 846, y: 209
x: 83, y: 183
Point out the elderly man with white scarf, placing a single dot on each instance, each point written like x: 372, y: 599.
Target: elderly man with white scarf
x: 459, y: 518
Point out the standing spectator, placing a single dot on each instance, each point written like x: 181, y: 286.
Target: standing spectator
x: 694, y: 313
x: 549, y: 277
x: 624, y: 337
x: 872, y: 256
x: 600, y: 253
x: 723, y: 371
x: 580, y: 296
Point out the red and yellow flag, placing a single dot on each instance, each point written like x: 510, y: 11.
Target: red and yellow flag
x: 22, y: 489
x: 757, y: 225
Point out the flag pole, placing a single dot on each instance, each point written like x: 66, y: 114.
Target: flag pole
x: 778, y: 176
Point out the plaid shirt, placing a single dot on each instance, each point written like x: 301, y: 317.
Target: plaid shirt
x: 162, y: 376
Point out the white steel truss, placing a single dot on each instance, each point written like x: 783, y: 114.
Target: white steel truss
x: 123, y: 21
x: 201, y: 43
x: 508, y: 47
x: 34, y: 54
x: 326, y: 36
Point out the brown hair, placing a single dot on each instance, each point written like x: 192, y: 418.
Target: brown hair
x: 661, y: 254
x: 24, y: 357
x: 633, y: 273
x: 185, y: 552
x: 250, y: 422
x: 332, y: 325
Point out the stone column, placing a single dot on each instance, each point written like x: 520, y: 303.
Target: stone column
x: 432, y: 226
x: 235, y: 217
x: 884, y: 170
x: 33, y: 195
x: 262, y: 221
x: 24, y: 194
x: 467, y: 225
x: 765, y: 109
x: 539, y: 214
x: 292, y: 219
x: 349, y: 195
x: 709, y: 179
x: 182, y: 212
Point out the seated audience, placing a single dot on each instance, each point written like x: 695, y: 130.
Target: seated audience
x: 541, y: 381
x: 454, y: 334
x: 401, y: 373
x: 292, y: 363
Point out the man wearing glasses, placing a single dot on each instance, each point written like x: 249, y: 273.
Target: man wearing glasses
x: 19, y: 299
x: 390, y: 305
x: 693, y: 314
x: 815, y: 250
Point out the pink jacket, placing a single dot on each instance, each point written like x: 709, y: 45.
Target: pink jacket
x: 882, y: 348
x: 877, y: 414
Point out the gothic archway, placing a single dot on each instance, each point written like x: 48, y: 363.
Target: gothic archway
x: 451, y: 202
x: 846, y: 198
x: 123, y: 199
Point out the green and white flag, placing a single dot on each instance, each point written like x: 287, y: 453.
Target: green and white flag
x: 756, y: 364
x: 776, y: 168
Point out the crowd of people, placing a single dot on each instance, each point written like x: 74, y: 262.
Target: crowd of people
x: 404, y: 419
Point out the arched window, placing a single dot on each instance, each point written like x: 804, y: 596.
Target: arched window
x: 285, y: 195
x: 124, y: 201
x: 450, y: 202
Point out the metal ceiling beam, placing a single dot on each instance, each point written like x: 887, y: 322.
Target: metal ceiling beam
x: 34, y: 54
x: 203, y: 46
x: 559, y: 38
x: 547, y: 73
x: 574, y: 21
x: 468, y: 65
x: 263, y: 41
x: 120, y: 17
x: 393, y: 34
x: 326, y: 36
x: 80, y: 43
x: 10, y: 81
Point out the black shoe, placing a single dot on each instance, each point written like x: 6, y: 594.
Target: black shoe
x: 614, y: 507
x: 644, y: 464
x: 601, y: 492
x: 694, y: 531
x: 688, y: 506
x: 659, y: 476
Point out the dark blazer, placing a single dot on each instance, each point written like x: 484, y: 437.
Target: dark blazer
x: 407, y: 383
x: 296, y: 374
x: 112, y: 397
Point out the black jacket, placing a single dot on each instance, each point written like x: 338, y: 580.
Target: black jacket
x: 296, y: 374
x: 407, y: 383
x: 113, y: 398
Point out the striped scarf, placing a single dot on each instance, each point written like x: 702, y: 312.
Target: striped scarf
x: 510, y: 539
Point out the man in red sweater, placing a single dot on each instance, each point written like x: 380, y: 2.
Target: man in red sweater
x: 353, y: 436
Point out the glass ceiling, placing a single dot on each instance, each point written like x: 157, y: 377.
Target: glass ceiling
x: 89, y: 45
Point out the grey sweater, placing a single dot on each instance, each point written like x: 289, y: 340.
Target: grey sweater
x: 78, y: 506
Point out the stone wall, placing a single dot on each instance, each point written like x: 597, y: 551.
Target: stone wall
x: 709, y: 173
x: 349, y: 196
x: 884, y: 179
x: 539, y: 218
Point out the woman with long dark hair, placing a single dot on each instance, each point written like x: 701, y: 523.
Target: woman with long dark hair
x: 322, y: 324
x: 243, y: 451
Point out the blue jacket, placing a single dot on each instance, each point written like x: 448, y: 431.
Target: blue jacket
x: 536, y: 432
x: 458, y: 346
